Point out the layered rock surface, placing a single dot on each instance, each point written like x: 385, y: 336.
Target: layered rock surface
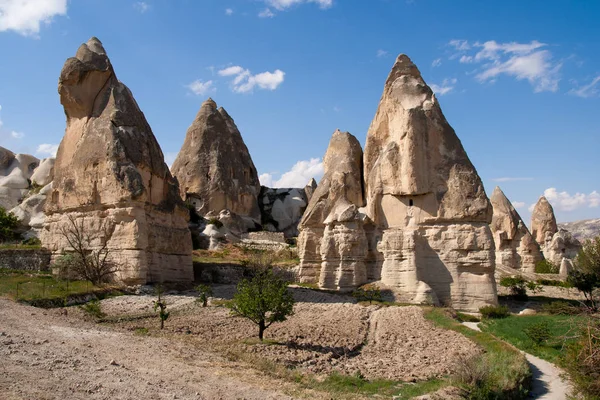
x: 110, y: 176
x: 332, y: 244
x: 515, y: 246
x: 214, y: 168
x: 543, y: 222
x: 426, y: 200
x: 16, y: 172
x: 281, y: 209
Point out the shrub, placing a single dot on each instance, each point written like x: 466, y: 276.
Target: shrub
x: 586, y: 275
x: 583, y: 360
x: 8, y: 226
x: 215, y: 222
x: 493, y: 312
x: 32, y: 241
x: 546, y: 267
x: 263, y: 299
x: 93, y: 309
x: 538, y: 333
x: 586, y: 283
x: 534, y: 287
x: 561, y: 308
x: 204, y: 292
x: 554, y: 282
x: 368, y: 293
x: 161, y: 306
x: 516, y: 285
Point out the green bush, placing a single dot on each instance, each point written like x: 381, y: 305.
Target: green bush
x: 204, y: 292
x: 93, y: 309
x: 561, y: 308
x: 586, y: 275
x: 546, y: 267
x: 517, y: 286
x: 554, y: 282
x: 368, y: 293
x: 32, y: 241
x: 582, y: 361
x: 493, y: 312
x: 538, y: 333
x: 8, y: 226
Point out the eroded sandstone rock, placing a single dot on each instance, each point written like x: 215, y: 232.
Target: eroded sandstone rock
x: 214, y: 168
x: 281, y: 209
x: 426, y: 199
x: 16, y: 171
x: 543, y: 222
x: 110, y: 175
x: 515, y: 246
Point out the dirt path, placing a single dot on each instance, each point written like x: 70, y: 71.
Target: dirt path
x: 547, y: 383
x: 45, y: 355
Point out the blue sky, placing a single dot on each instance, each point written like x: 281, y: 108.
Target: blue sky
x: 518, y: 81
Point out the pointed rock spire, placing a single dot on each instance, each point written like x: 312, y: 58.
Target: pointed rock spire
x: 543, y: 221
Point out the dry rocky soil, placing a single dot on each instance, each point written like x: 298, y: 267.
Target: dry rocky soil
x: 204, y: 353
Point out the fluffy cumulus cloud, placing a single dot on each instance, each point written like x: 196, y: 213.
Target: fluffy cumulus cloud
x: 446, y: 87
x: 518, y: 204
x: 27, y: 16
x: 201, y: 88
x: 524, y: 61
x: 565, y: 201
x: 382, y: 53
x: 592, y: 89
x: 243, y: 81
x: 300, y: 174
x: 47, y: 149
x: 266, y: 13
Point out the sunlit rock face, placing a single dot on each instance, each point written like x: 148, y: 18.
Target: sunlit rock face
x: 425, y: 199
x: 332, y: 244
x: 110, y: 175
x: 515, y: 246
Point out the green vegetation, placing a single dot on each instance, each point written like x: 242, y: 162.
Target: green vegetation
x: 8, y: 226
x: 582, y: 359
x: 141, y: 331
x: 263, y: 299
x: 161, y: 306
x: 462, y: 317
x: 562, y: 307
x: 204, y: 292
x: 215, y: 221
x: 538, y: 333
x: 518, y: 286
x: 494, y: 312
x: 244, y: 256
x: 500, y: 373
x: 562, y: 330
x: 368, y: 293
x: 554, y: 282
x: 586, y: 275
x: 546, y: 267
x: 93, y: 309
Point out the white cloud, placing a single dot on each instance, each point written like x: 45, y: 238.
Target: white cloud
x: 266, y: 13
x: 170, y: 158
x: 589, y: 90
x: 437, y: 62
x: 47, y: 149
x: 511, y: 179
x: 228, y: 11
x: 564, y: 201
x: 381, y: 53
x: 141, y: 6
x: 285, y: 4
x: 518, y: 204
x: 445, y: 88
x: 26, y: 16
x: 300, y: 174
x: 201, y: 88
x: 17, y: 135
x: 245, y: 82
x: 523, y: 61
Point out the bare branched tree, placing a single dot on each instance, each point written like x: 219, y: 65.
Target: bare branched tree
x: 91, y: 256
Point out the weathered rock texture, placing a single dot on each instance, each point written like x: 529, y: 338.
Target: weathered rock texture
x: 16, y: 171
x: 426, y: 199
x: 25, y: 259
x: 515, y: 246
x: 584, y: 229
x: 555, y: 243
x: 110, y: 175
x: 214, y: 168
x: 332, y: 244
x: 282, y: 209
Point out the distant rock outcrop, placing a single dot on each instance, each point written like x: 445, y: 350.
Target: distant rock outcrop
x: 515, y: 246
x: 282, y: 209
x: 16, y: 172
x: 110, y: 175
x: 426, y: 200
x: 332, y: 244
x: 214, y: 168
x: 584, y: 229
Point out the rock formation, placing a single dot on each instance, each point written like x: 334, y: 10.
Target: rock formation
x: 428, y: 205
x: 214, y: 168
x: 555, y: 243
x: 332, y: 244
x: 584, y: 229
x: 515, y: 246
x: 110, y: 176
x: 282, y: 209
x: 16, y: 171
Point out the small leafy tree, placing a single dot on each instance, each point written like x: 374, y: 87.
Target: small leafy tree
x: 204, y: 292
x: 586, y: 274
x: 263, y: 299
x: 8, y: 226
x: 546, y: 267
x: 517, y: 286
x: 90, y: 257
x: 368, y: 293
x: 538, y: 333
x: 160, y: 305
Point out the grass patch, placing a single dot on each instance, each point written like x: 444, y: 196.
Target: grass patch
x: 507, y: 375
x: 221, y: 303
x: 19, y: 246
x: 563, y: 329
x: 141, y: 331
x: 462, y: 317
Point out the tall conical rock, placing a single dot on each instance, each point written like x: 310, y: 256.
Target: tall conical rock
x: 515, y: 246
x: 214, y: 168
x: 111, y: 177
x: 332, y: 242
x: 543, y: 221
x: 426, y: 198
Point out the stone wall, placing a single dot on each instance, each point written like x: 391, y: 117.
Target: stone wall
x: 25, y: 259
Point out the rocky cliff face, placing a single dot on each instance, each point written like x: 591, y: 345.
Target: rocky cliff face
x: 110, y: 175
x: 425, y: 199
x: 584, y: 229
x: 515, y: 246
x: 16, y: 171
x: 214, y: 168
x: 332, y: 244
